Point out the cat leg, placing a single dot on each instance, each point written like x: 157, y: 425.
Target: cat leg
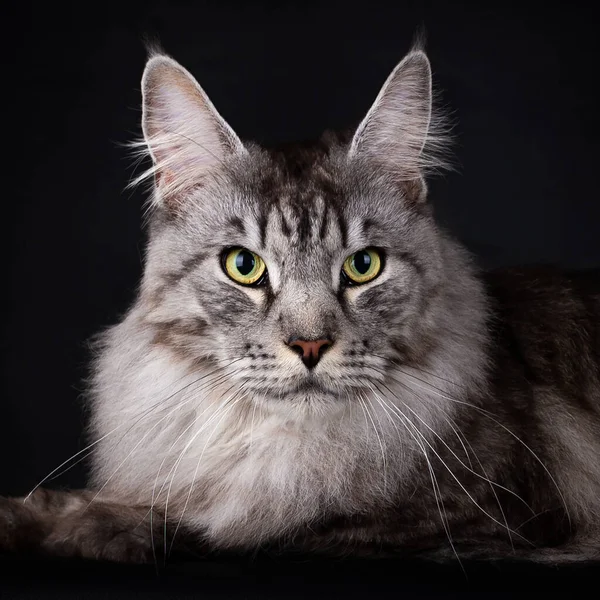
x: 578, y: 550
x: 77, y: 523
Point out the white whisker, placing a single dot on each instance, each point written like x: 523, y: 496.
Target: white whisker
x: 144, y: 413
x: 173, y: 470
x: 491, y: 416
x: 434, y: 482
x: 233, y: 401
x: 510, y: 531
x: 383, y: 452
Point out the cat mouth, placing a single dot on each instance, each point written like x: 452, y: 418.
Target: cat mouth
x: 311, y: 387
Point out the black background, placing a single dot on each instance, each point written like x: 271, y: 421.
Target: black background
x: 519, y: 78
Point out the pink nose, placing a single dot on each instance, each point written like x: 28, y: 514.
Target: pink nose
x: 309, y: 350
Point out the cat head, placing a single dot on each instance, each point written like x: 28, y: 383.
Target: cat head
x: 305, y: 274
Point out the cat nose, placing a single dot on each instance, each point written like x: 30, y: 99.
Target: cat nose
x: 309, y: 350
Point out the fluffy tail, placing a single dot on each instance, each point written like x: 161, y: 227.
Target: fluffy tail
x: 77, y: 523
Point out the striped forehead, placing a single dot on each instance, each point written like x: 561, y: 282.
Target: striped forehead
x: 310, y: 221
x: 301, y: 202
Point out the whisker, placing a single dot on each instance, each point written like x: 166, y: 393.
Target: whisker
x: 214, y: 384
x: 252, y: 426
x: 383, y: 452
x: 491, y: 416
x: 459, y: 436
x: 145, y: 413
x: 535, y: 515
x: 90, y: 446
x: 236, y: 398
x: 452, y: 474
x: 401, y: 366
x: 434, y: 482
x: 361, y: 404
x: 469, y: 468
x: 387, y: 412
x: 180, y: 458
x: 493, y: 490
x: 461, y: 463
x: 168, y: 414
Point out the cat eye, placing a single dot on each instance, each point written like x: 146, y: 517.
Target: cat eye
x: 362, y: 266
x: 243, y: 266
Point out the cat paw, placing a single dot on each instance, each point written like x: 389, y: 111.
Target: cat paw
x: 102, y: 533
x: 19, y: 529
x: 8, y: 524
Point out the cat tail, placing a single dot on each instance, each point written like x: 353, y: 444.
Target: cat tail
x: 80, y: 523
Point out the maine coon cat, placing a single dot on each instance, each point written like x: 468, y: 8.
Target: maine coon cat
x: 312, y: 363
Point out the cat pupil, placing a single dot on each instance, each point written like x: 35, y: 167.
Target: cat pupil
x: 244, y: 262
x: 362, y: 262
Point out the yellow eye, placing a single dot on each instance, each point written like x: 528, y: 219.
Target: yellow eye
x: 244, y: 266
x: 362, y: 266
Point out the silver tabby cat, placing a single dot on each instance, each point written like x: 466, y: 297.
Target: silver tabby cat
x: 313, y: 364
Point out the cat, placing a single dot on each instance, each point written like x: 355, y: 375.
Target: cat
x: 312, y: 364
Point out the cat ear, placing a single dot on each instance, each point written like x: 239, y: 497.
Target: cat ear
x: 400, y: 131
x: 185, y: 135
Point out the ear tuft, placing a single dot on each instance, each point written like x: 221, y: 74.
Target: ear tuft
x: 153, y: 46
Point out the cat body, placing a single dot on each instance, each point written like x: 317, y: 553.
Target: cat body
x: 414, y: 405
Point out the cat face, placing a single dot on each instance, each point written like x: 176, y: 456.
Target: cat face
x: 306, y: 274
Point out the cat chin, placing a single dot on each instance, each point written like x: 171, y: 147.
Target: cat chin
x: 303, y: 405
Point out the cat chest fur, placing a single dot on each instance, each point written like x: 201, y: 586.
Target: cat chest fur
x: 233, y: 472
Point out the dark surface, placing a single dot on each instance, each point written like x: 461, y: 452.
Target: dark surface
x: 275, y: 578
x: 519, y: 78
